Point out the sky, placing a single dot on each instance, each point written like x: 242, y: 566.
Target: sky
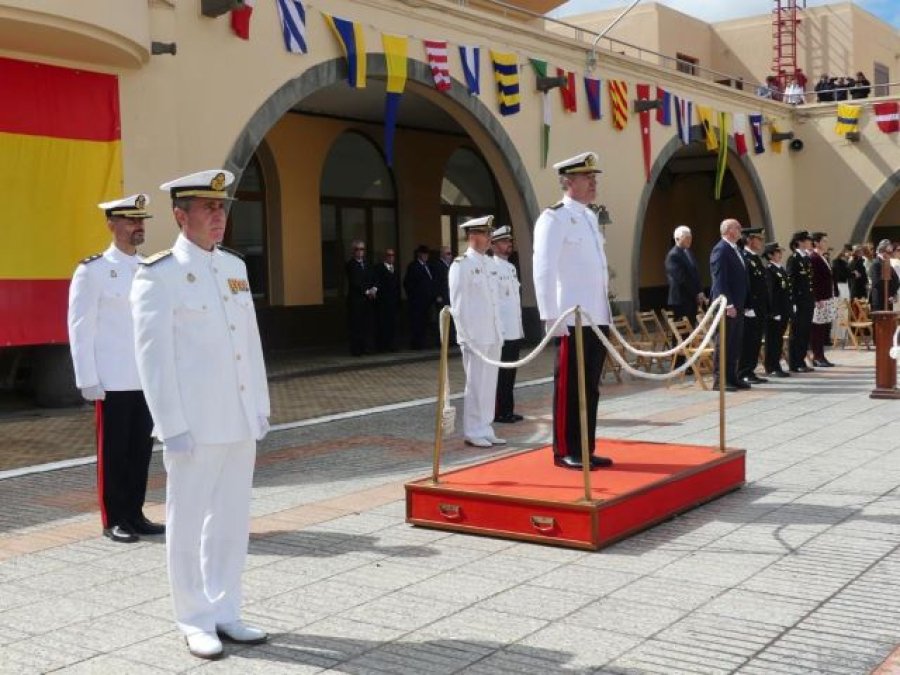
x: 718, y: 10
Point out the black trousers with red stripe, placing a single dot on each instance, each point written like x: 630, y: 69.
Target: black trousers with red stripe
x: 124, y: 446
x: 506, y: 380
x: 566, y: 419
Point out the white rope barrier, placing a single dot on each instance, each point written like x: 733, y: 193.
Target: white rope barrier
x: 712, y: 316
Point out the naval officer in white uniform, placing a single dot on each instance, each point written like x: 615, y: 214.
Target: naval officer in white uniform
x: 101, y: 339
x: 200, y: 361
x: 570, y: 269
x: 510, y: 305
x: 473, y: 301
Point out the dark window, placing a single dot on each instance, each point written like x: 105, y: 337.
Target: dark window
x: 246, y: 231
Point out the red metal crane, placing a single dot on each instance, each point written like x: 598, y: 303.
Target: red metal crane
x: 785, y: 20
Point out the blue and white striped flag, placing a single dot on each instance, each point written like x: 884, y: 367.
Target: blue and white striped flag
x: 293, y: 25
x: 471, y: 63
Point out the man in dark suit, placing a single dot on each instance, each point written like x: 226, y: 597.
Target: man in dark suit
x: 685, y: 290
x: 779, y: 309
x: 360, y: 299
x: 859, y: 278
x: 420, y: 295
x: 823, y: 296
x: 440, y: 269
x: 729, y: 278
x: 757, y: 310
x: 387, y: 302
x: 877, y: 299
x: 799, y: 271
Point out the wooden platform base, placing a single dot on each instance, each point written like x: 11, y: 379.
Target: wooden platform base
x: 524, y: 496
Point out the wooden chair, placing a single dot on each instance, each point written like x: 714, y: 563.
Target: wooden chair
x: 842, y: 323
x: 860, y: 323
x: 652, y: 331
x: 681, y: 329
x: 624, y: 328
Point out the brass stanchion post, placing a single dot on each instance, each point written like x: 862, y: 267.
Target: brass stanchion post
x: 444, y: 322
x: 582, y: 405
x: 722, y: 367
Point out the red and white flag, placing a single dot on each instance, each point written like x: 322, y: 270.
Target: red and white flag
x: 436, y: 51
x: 888, y: 116
x: 240, y: 19
x: 740, y: 133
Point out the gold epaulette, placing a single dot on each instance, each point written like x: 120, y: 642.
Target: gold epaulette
x: 557, y: 205
x: 156, y: 257
x: 225, y: 249
x: 91, y: 258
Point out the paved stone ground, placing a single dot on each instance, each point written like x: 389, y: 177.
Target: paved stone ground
x: 795, y: 573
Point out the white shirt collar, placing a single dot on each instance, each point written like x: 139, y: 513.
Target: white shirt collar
x: 185, y: 245
x: 573, y: 203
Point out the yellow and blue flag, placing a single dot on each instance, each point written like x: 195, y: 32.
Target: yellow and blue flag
x: 847, y: 118
x: 506, y: 74
x: 352, y: 40
x: 395, y: 50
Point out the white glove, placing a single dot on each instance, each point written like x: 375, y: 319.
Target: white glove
x: 795, y: 308
x: 777, y: 317
x: 95, y: 393
x: 750, y: 313
x: 263, y: 427
x: 182, y: 444
x: 560, y: 332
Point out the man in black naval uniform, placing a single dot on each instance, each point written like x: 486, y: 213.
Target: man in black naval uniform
x: 799, y: 272
x: 757, y: 310
x: 779, y: 309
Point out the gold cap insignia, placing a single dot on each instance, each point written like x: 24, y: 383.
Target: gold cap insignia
x: 218, y: 182
x: 140, y: 202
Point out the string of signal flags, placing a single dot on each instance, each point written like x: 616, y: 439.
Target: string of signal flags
x: 714, y: 128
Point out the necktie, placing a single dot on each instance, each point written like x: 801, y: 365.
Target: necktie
x: 427, y: 271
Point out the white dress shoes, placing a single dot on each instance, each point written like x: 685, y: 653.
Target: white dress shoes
x: 204, y: 645
x: 478, y: 442
x: 241, y: 633
x: 495, y: 441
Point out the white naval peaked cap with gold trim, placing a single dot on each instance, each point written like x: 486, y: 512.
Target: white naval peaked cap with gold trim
x: 133, y: 206
x: 502, y: 233
x: 586, y: 162
x: 210, y: 184
x: 477, y: 224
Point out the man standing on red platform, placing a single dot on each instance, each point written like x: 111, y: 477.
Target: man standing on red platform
x: 570, y: 269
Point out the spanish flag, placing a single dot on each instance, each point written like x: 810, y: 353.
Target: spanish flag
x: 352, y: 40
x: 705, y: 114
x: 60, y: 154
x: 506, y: 74
x: 847, y: 118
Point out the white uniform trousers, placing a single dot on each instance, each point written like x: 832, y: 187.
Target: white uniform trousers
x: 207, y: 531
x: 481, y: 390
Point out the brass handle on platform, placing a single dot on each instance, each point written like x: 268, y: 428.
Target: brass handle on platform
x: 450, y: 511
x: 543, y: 523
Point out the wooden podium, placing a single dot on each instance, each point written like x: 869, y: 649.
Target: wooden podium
x: 884, y: 324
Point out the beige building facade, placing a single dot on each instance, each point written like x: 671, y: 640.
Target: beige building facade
x: 310, y: 156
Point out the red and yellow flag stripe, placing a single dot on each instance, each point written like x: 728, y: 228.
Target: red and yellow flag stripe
x: 60, y: 154
x: 618, y: 98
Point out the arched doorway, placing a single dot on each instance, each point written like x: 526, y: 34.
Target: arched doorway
x: 681, y: 192
x: 880, y: 219
x: 468, y: 190
x: 358, y: 202
x: 305, y: 124
x: 247, y: 227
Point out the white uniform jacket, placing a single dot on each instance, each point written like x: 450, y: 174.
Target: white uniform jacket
x: 510, y: 299
x: 101, y: 333
x: 474, y: 299
x: 570, y: 263
x: 198, y: 349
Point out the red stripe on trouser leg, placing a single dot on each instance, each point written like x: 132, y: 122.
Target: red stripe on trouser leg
x: 560, y: 446
x: 101, y: 497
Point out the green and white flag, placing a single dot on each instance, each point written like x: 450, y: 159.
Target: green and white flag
x: 540, y: 69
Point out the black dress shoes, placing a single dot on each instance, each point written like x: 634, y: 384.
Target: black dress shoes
x: 569, y: 462
x: 756, y: 379
x: 120, y: 534
x: 823, y: 363
x: 728, y: 387
x: 143, y: 526
x: 778, y: 373
x: 741, y: 384
x: 512, y: 418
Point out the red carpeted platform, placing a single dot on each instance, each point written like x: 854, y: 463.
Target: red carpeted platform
x: 524, y: 496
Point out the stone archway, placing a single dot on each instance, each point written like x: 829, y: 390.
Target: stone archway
x: 885, y: 194
x: 748, y: 183
x: 479, y: 122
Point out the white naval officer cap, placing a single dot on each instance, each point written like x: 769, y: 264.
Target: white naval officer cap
x: 210, y: 184
x: 502, y: 233
x: 586, y: 162
x: 133, y: 206
x: 482, y: 224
